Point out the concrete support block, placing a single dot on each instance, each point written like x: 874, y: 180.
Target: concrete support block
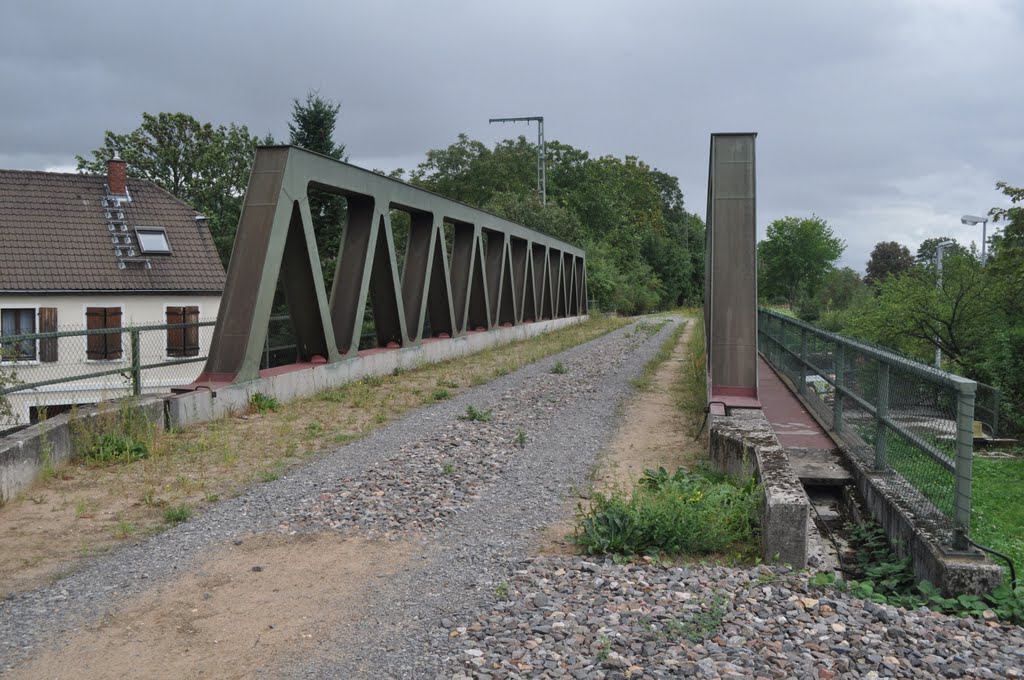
x: 743, y: 445
x: 24, y: 454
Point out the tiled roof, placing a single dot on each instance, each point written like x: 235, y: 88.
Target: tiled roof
x: 54, y: 237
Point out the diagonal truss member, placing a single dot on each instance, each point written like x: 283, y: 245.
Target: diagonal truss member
x: 498, y: 273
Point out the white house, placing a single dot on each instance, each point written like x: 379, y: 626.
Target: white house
x: 93, y: 252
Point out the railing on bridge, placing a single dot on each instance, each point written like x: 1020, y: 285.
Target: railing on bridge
x: 911, y: 423
x: 76, y: 366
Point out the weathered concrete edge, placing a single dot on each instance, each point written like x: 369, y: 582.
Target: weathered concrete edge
x: 954, y: 573
x: 24, y: 454
x: 742, y: 445
x: 205, y: 405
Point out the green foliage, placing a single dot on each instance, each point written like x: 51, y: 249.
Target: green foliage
x: 521, y: 438
x: 888, y: 258
x: 501, y: 591
x: 114, y: 436
x: 926, y: 251
x: 683, y: 513
x: 116, y: 447
x: 644, y: 251
x: 313, y: 127
x: 795, y: 256
x: 8, y: 379
x: 205, y: 166
x: 476, y: 415
x: 558, y: 368
x: 263, y: 403
x: 440, y: 394
x: 177, y: 514
x: 886, y: 579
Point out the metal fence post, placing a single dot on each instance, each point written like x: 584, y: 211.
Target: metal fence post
x: 133, y: 333
x: 802, y: 385
x: 837, y: 397
x: 964, y: 463
x: 995, y: 413
x: 881, y: 412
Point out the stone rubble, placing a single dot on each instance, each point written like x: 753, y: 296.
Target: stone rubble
x: 576, y: 618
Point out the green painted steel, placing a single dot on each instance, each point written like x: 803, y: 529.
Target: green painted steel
x: 499, y: 272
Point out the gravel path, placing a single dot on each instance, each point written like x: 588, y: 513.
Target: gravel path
x: 473, y: 495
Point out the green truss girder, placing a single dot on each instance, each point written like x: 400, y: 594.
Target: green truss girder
x: 498, y: 272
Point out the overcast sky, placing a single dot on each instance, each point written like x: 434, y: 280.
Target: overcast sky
x: 888, y: 118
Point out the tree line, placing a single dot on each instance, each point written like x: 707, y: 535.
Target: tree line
x: 974, y: 314
x: 645, y: 251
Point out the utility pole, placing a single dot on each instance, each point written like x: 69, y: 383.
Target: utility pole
x: 542, y: 188
x: 939, y: 248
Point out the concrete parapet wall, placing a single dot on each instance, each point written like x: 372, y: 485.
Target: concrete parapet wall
x: 743, y: 445
x: 955, y: 573
x: 24, y: 454
x: 204, y: 405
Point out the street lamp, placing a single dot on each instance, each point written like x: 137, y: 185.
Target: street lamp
x: 939, y: 247
x: 972, y: 220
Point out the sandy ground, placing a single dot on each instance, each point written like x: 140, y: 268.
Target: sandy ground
x: 245, y: 608
x: 653, y: 433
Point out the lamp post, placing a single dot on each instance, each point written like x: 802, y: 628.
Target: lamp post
x: 972, y: 220
x: 939, y: 247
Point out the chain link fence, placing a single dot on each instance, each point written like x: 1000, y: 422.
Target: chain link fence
x: 43, y: 374
x: 910, y: 423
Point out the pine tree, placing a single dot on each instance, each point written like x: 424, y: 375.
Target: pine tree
x: 312, y: 128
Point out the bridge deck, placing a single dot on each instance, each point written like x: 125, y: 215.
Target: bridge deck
x: 812, y: 453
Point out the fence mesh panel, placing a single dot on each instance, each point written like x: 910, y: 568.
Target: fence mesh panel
x: 74, y: 366
x: 896, y: 416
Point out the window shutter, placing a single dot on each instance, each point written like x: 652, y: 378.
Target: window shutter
x: 191, y: 332
x: 48, y: 324
x: 113, y: 339
x: 175, y: 336
x: 95, y: 344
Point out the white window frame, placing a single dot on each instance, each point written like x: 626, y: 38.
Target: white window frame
x: 23, y: 362
x: 85, y: 338
x: 143, y: 251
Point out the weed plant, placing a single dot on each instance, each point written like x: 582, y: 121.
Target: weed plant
x: 263, y: 403
x: 177, y: 514
x: 885, y: 578
x: 117, y: 436
x: 558, y: 368
x: 476, y: 415
x: 680, y: 514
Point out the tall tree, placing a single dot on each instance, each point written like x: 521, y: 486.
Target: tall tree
x: 312, y: 127
x: 795, y: 256
x: 926, y: 251
x: 205, y: 166
x: 888, y: 258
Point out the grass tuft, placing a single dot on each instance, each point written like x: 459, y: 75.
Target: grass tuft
x: 476, y: 415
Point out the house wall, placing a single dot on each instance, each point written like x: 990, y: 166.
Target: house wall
x: 137, y: 310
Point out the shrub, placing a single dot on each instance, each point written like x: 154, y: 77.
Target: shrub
x: 683, y: 513
x: 558, y: 368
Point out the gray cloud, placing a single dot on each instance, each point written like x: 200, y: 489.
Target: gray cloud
x: 887, y: 118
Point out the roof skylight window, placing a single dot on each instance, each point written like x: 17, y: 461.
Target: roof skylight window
x: 153, y: 240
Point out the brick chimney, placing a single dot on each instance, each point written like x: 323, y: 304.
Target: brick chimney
x: 117, y: 176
